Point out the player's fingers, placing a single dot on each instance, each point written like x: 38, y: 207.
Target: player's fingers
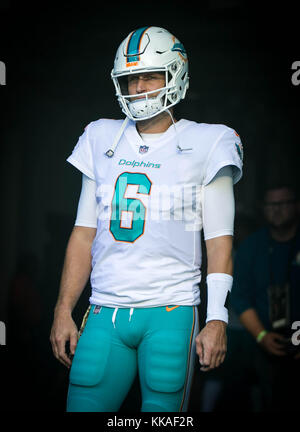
x: 213, y: 360
x: 220, y: 357
x: 199, y: 349
x: 73, y: 342
x: 62, y: 356
x: 64, y: 359
x: 221, y: 354
x: 217, y: 356
x: 206, y: 359
x: 55, y: 351
x: 54, y: 346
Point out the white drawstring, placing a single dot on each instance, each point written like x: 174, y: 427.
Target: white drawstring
x: 114, y: 316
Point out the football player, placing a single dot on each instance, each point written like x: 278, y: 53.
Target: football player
x: 150, y: 184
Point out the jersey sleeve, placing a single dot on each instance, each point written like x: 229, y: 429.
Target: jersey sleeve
x: 218, y: 205
x: 82, y: 155
x: 226, y: 150
x: 87, y: 205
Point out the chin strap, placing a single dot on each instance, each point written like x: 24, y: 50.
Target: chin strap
x: 110, y: 152
x: 177, y: 135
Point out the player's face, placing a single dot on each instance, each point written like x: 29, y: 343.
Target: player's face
x: 280, y: 208
x: 145, y: 82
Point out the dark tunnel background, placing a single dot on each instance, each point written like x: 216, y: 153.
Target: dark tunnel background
x: 58, y: 61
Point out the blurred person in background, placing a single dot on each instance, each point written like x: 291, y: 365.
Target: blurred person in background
x: 266, y: 297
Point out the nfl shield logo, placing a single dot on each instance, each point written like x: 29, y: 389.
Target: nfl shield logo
x: 97, y: 309
x: 143, y: 149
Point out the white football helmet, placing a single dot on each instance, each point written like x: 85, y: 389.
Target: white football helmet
x: 150, y: 49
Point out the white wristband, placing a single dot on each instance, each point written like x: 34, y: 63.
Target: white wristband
x: 218, y: 286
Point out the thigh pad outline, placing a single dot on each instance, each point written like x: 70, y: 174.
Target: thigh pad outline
x: 91, y: 357
x: 166, y: 360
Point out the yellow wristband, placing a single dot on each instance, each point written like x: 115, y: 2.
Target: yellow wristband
x: 261, y: 335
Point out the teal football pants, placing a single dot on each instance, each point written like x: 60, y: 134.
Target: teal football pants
x: 115, y: 344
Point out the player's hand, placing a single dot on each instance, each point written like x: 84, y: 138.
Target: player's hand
x: 273, y: 343
x: 63, y: 330
x: 211, y: 345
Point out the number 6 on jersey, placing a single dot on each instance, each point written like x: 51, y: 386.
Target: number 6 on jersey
x: 128, y: 214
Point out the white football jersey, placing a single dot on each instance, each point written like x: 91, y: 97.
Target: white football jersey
x: 147, y: 249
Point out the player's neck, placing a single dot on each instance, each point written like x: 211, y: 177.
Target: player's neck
x: 157, y: 124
